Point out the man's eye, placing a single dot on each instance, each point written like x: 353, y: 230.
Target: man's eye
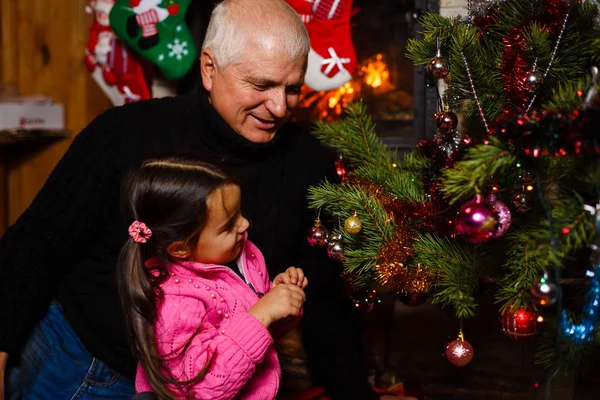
x: 293, y: 90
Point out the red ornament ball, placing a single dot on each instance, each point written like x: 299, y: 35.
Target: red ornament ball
x: 521, y: 202
x: 521, y: 324
x: 318, y: 235
x: 459, y: 352
x: 477, y: 220
x: 446, y: 121
x: 413, y: 299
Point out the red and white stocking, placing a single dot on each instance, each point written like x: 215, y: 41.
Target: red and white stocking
x: 304, y: 8
x: 332, y: 58
x: 115, y: 69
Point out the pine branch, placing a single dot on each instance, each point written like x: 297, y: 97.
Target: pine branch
x: 530, y: 252
x: 474, y: 172
x: 567, y: 97
x: 354, y: 137
x: 455, y: 268
x: 483, y: 52
x: 340, y: 201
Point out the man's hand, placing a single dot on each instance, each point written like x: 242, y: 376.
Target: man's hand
x: 292, y: 275
x: 3, y: 360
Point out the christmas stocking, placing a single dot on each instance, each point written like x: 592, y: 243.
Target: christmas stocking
x: 156, y: 30
x: 113, y: 67
x: 304, y: 8
x: 332, y: 59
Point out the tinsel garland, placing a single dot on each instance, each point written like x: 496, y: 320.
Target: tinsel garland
x: 554, y: 132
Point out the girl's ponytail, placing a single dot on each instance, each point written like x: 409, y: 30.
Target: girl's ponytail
x: 138, y: 289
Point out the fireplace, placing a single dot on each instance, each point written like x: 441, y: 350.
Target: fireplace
x: 386, y: 81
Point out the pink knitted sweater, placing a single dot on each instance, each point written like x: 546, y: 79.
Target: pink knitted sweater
x: 244, y: 364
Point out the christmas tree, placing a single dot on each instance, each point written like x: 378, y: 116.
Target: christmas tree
x: 436, y: 221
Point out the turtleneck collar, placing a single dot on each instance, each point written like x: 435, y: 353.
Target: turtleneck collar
x: 218, y: 135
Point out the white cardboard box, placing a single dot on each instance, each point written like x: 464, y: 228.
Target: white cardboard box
x: 31, y: 113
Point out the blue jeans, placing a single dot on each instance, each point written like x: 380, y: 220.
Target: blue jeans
x: 54, y: 364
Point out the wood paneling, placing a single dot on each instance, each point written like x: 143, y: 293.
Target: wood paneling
x: 42, y: 47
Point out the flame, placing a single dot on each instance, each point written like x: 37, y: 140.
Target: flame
x: 372, y: 79
x: 375, y: 72
x: 335, y: 98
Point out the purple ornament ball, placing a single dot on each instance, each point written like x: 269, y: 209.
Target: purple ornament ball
x: 477, y: 220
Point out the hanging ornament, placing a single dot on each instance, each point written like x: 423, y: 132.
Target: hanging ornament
x: 413, y: 299
x: 504, y: 215
x: 544, y: 292
x: 526, y: 181
x: 437, y: 67
x: 353, y: 225
x: 477, y: 220
x: 446, y: 121
x: 521, y: 202
x: 335, y: 247
x: 460, y: 352
x: 340, y: 168
x: 521, y: 324
x: 448, y: 142
x: 534, y: 80
x: 318, y: 234
x: 365, y: 299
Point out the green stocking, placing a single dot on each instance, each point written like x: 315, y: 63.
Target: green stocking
x: 156, y: 30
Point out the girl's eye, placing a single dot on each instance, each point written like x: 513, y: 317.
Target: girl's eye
x: 230, y: 226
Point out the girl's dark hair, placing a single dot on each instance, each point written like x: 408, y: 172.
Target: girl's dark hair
x: 169, y: 195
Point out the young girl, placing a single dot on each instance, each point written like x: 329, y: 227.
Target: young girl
x: 196, y: 294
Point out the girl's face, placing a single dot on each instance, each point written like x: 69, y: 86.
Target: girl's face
x: 221, y: 239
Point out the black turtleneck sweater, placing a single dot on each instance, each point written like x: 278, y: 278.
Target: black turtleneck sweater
x: 67, y: 242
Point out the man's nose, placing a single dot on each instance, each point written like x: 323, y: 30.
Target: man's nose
x: 276, y: 104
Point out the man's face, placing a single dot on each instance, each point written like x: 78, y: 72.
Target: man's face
x: 256, y: 96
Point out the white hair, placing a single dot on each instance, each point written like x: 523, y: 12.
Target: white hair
x: 232, y: 21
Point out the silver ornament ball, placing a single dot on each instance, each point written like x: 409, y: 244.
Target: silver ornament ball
x: 544, y: 292
x: 534, y: 80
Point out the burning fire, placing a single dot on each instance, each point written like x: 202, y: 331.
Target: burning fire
x: 375, y: 72
x: 373, y: 77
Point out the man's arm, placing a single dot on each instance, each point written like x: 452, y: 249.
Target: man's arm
x: 78, y: 197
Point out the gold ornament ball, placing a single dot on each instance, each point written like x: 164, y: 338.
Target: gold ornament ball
x: 353, y: 225
x: 438, y: 67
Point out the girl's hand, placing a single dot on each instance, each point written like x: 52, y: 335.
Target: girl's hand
x: 283, y: 301
x: 292, y: 275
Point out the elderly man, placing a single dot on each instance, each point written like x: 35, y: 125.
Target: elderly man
x: 57, y: 262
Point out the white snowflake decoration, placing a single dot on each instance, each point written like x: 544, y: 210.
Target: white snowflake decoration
x: 178, y: 49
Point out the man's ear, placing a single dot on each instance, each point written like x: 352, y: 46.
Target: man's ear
x: 208, y: 66
x: 178, y: 250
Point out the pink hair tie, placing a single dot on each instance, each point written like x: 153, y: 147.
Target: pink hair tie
x: 139, y: 232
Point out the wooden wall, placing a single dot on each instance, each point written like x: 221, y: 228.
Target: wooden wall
x: 41, y: 48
